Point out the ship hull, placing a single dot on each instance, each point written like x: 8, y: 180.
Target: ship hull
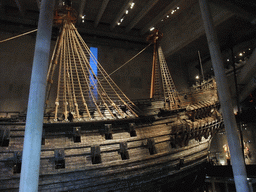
x: 141, y: 167
x: 161, y: 150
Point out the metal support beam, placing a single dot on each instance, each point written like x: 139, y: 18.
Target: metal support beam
x: 35, y: 112
x: 213, y: 186
x: 81, y: 11
x: 150, y: 4
x: 101, y: 11
x: 238, y: 164
x: 126, y: 5
x: 21, y: 7
x: 160, y: 16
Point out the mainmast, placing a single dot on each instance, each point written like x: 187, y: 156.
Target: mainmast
x: 156, y: 88
x: 161, y: 75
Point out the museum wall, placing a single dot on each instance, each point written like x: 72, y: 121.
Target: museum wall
x: 134, y: 77
x: 16, y: 58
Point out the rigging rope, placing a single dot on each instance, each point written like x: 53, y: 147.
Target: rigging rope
x: 130, y: 59
x: 18, y: 36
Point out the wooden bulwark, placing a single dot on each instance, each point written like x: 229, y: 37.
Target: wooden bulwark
x: 81, y: 173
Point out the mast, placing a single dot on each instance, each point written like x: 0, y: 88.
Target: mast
x: 162, y: 84
x: 171, y: 96
x: 155, y: 89
x: 83, y: 93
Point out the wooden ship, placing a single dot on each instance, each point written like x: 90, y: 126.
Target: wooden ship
x: 97, y: 139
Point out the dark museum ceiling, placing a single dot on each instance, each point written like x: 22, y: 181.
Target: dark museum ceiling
x: 99, y: 21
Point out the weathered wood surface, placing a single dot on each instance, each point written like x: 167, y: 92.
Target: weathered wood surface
x: 113, y: 173
x: 79, y: 172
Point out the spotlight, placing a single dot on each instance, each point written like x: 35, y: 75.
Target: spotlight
x: 152, y: 28
x: 132, y: 5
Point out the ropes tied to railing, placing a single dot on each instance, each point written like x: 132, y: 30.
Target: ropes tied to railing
x: 84, y: 93
x: 8, y: 39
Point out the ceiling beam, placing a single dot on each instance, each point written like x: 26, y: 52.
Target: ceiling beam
x: 150, y: 4
x: 81, y: 11
x: 103, y: 31
x: 21, y: 7
x: 188, y: 27
x: 249, y: 70
x: 160, y: 16
x: 242, y: 13
x: 248, y: 88
x: 38, y: 4
x: 126, y: 5
x: 247, y: 77
x: 101, y: 11
x: 2, y: 9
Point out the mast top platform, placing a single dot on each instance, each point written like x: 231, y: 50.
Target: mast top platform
x: 66, y: 13
x: 155, y: 36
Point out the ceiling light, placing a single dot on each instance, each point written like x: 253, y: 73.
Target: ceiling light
x: 249, y: 49
x: 197, y: 77
x: 126, y: 12
x: 240, y: 54
x: 227, y: 59
x: 132, y: 5
x: 82, y: 21
x: 152, y: 28
x: 118, y: 23
x: 178, y: 7
x: 167, y: 16
x: 83, y: 16
x: 121, y: 20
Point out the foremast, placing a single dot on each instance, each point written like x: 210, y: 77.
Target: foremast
x: 85, y: 91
